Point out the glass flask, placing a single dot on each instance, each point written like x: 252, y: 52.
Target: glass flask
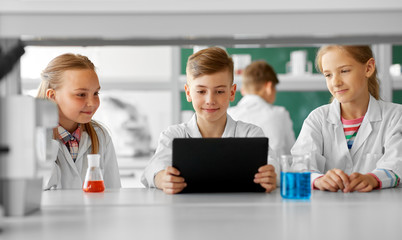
x: 93, y: 178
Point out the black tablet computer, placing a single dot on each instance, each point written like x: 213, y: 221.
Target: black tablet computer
x: 220, y: 164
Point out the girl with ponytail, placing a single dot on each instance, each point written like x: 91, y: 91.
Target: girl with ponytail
x: 71, y: 82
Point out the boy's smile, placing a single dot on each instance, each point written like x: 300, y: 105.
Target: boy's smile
x: 210, y: 110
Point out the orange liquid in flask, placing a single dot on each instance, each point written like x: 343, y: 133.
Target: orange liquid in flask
x: 94, y: 186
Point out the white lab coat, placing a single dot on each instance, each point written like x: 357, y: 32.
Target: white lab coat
x: 274, y: 121
x: 67, y: 174
x: 380, y: 133
x: 163, y: 155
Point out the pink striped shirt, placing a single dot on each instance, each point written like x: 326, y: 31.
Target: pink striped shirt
x: 350, y: 128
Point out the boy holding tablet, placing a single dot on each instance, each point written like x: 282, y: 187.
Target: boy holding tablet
x: 210, y: 88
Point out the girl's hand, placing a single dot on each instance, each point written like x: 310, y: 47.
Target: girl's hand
x: 169, y: 181
x: 333, y: 180
x: 266, y: 177
x: 361, y: 182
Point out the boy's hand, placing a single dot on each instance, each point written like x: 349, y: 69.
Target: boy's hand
x: 169, y: 181
x: 266, y: 177
x: 361, y: 182
x: 333, y: 180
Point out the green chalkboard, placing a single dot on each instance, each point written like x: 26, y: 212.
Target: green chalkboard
x: 397, y: 54
x: 397, y: 96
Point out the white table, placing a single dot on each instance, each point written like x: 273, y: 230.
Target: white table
x: 150, y: 214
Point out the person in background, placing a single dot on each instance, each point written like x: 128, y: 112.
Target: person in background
x: 210, y: 88
x: 71, y: 82
x: 259, y: 82
x: 356, y: 140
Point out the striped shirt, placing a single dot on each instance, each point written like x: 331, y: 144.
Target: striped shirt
x: 71, y: 140
x: 350, y: 128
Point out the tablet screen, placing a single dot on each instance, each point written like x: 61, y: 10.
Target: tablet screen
x: 220, y: 164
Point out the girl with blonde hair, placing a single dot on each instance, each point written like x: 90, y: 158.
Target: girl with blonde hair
x: 356, y: 140
x: 71, y: 82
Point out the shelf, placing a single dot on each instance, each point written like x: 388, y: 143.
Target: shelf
x: 312, y: 82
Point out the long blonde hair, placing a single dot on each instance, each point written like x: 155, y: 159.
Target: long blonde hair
x: 359, y: 53
x: 52, y: 79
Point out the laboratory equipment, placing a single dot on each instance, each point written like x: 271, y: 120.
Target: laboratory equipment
x: 295, y: 176
x: 23, y: 121
x: 298, y: 64
x: 93, y: 178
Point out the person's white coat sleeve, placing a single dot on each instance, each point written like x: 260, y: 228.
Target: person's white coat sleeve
x: 391, y: 160
x: 160, y: 160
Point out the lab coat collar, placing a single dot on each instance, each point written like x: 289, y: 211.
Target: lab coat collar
x: 373, y: 113
x: 192, y: 127
x: 374, y: 110
x: 84, y: 145
x: 194, y: 132
x: 334, y: 113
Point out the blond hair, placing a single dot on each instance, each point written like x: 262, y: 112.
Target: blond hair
x: 209, y: 61
x: 257, y: 74
x: 359, y: 53
x: 52, y: 78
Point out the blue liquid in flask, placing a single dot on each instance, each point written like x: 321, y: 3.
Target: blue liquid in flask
x: 295, y: 185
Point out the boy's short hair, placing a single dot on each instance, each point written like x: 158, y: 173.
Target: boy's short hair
x: 209, y: 61
x: 257, y: 74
